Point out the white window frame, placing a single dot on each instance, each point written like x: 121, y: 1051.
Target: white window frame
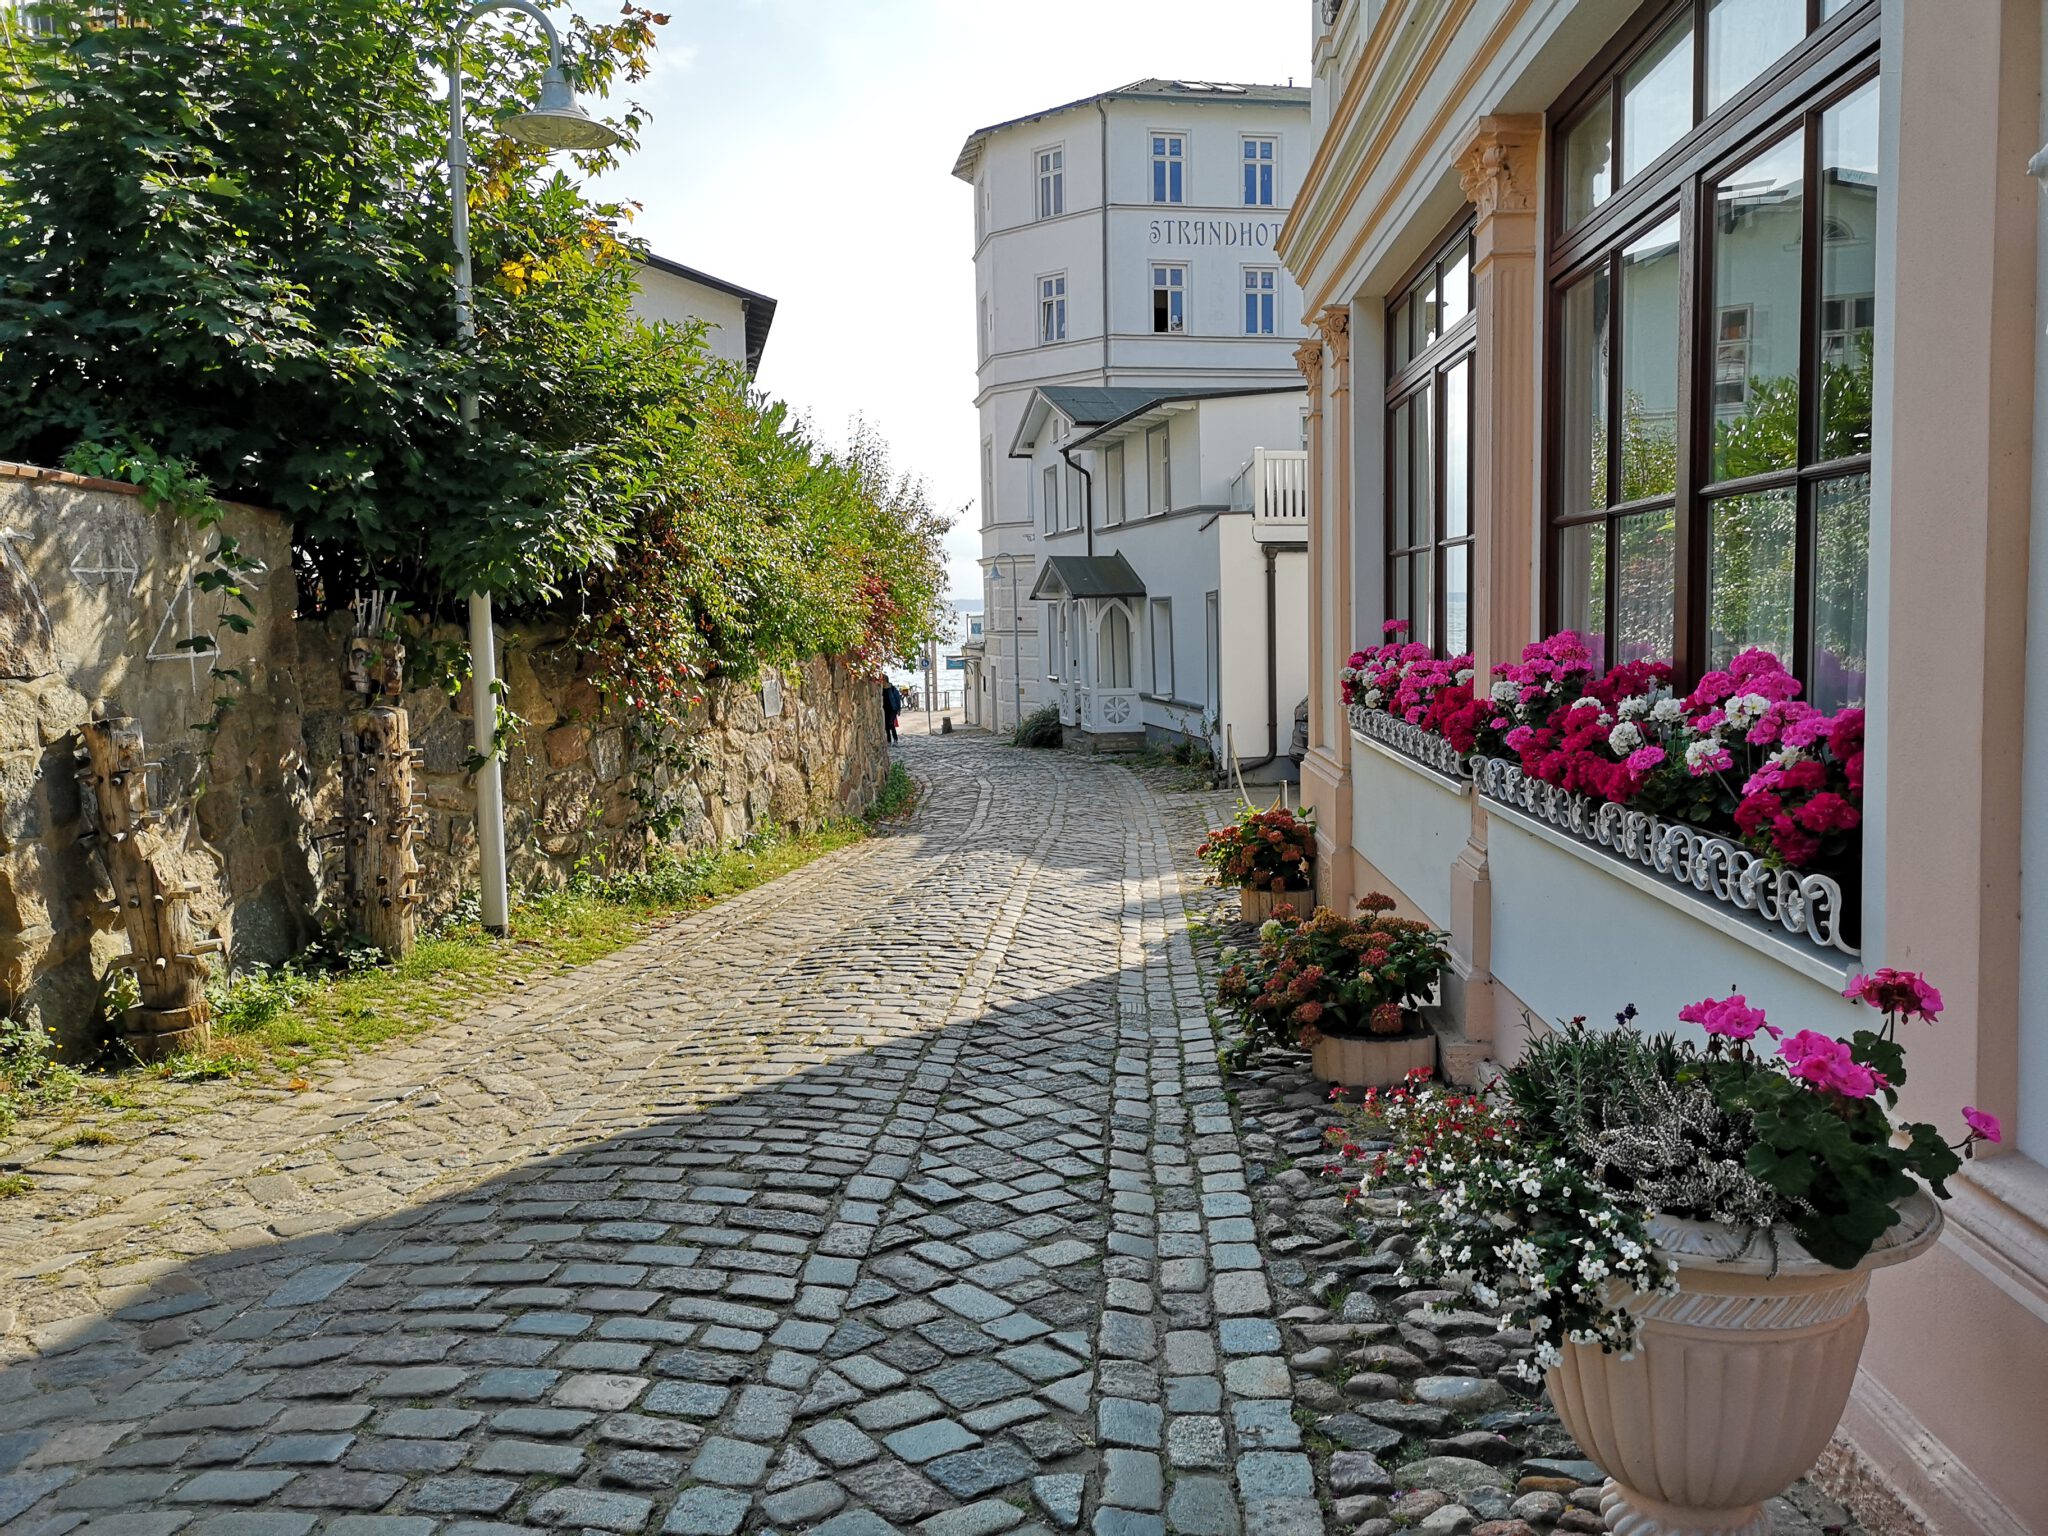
x: 1077, y: 497
x: 1212, y: 652
x: 1164, y: 275
x: 1159, y: 470
x: 988, y: 481
x: 988, y: 326
x: 1051, y: 165
x: 1052, y: 308
x: 1262, y: 288
x: 1264, y: 191
x: 1169, y: 185
x: 1113, y: 485
x: 1049, y: 499
x: 1162, y: 629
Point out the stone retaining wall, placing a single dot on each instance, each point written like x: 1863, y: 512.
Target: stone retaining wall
x: 96, y: 596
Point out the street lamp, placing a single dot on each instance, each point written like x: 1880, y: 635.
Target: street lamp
x: 555, y: 123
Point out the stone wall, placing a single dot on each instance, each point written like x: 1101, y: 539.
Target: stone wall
x: 96, y: 596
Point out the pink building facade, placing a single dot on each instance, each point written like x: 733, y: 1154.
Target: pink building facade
x: 1694, y: 327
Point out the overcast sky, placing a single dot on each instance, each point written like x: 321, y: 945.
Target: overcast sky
x: 804, y: 149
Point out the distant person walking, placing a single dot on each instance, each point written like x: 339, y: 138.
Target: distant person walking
x: 892, y: 707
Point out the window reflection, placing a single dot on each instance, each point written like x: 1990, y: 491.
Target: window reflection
x: 1841, y: 593
x: 1848, y: 266
x: 1745, y: 38
x: 1649, y: 364
x: 1645, y: 567
x: 1582, y: 584
x: 1758, y: 211
x: 1583, y: 396
x: 1656, y: 99
x: 1750, y: 574
x: 1588, y: 163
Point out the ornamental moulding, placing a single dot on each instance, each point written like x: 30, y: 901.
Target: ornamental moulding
x: 1806, y: 906
x: 1497, y: 172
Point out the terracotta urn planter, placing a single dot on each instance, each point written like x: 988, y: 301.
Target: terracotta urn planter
x: 1372, y: 1061
x: 1256, y: 902
x: 1738, y: 1379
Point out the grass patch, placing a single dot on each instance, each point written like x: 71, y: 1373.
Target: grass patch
x: 13, y: 1185
x: 276, y: 1021
x: 32, y: 1080
x: 897, y: 796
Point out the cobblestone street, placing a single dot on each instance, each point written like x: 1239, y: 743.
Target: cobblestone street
x: 900, y: 1194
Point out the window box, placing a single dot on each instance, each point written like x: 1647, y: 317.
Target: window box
x: 1803, y: 920
x: 1422, y: 751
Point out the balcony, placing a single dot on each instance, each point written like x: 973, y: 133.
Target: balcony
x: 1273, y: 487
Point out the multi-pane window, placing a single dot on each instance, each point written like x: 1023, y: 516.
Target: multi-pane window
x: 1713, y: 310
x: 1049, y: 499
x: 1169, y: 298
x: 1260, y: 287
x: 1169, y: 168
x: 1431, y: 333
x: 1158, y: 471
x: 1113, y: 485
x: 1162, y: 647
x: 988, y: 480
x: 1077, y: 497
x: 1052, y: 183
x: 1052, y: 309
x: 1259, y: 159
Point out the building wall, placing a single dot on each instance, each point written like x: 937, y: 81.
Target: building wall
x: 1955, y: 802
x: 665, y: 296
x: 95, y: 595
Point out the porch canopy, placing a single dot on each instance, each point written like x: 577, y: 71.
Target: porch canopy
x: 1086, y: 576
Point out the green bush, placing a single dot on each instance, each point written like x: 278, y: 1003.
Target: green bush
x: 1041, y: 728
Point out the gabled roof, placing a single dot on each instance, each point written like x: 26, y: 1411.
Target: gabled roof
x: 1099, y: 409
x: 1157, y: 405
x: 1179, y: 91
x: 1086, y: 576
x: 758, y: 307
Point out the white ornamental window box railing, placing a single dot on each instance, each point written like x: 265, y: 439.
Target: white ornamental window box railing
x: 1802, y: 918
x: 1112, y: 711
x: 1423, y: 751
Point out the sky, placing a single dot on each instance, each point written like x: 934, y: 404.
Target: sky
x: 804, y: 149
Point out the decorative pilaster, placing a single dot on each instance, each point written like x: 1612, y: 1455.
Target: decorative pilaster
x: 1500, y: 172
x: 1326, y: 772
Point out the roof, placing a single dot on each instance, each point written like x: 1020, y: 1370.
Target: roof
x: 1141, y: 90
x: 1090, y: 405
x: 1101, y: 409
x: 1087, y: 576
x: 758, y: 307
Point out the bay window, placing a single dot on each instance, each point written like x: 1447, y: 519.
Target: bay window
x: 1431, y: 332
x: 1712, y: 293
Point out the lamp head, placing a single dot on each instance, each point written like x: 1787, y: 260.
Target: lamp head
x: 557, y: 123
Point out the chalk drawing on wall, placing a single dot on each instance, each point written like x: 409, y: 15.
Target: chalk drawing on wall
x: 180, y: 624
x: 111, y: 558
x: 27, y: 640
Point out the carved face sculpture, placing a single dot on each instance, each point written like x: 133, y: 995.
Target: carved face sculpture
x: 356, y: 672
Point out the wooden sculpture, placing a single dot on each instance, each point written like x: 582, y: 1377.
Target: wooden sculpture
x: 381, y: 811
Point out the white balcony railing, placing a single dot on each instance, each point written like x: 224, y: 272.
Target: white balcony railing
x: 1273, y: 487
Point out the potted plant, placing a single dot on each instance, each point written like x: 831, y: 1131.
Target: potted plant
x: 1688, y: 1230
x: 1347, y: 988
x: 1266, y: 854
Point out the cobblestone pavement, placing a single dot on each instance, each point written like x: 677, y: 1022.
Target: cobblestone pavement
x: 901, y: 1194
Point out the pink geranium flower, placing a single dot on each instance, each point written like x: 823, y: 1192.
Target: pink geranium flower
x: 1827, y: 1064
x: 1906, y: 993
x: 1983, y: 1126
x: 1729, y: 1017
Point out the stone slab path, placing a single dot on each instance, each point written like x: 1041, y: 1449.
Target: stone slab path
x: 899, y: 1195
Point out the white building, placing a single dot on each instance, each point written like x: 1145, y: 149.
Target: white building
x: 736, y: 319
x: 1181, y: 613
x: 1123, y: 242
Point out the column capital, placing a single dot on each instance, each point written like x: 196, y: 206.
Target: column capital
x: 1502, y: 167
x: 1335, y: 324
x: 1309, y: 358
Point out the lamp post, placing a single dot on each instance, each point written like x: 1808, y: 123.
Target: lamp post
x: 556, y: 123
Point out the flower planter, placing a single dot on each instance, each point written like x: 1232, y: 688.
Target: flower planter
x: 1372, y: 1061
x: 1257, y: 903
x: 1737, y: 1382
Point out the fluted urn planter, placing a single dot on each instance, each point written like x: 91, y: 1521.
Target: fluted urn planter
x: 1372, y: 1061
x: 1738, y: 1379
x: 1256, y: 902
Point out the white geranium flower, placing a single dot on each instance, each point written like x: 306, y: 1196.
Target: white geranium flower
x: 1703, y: 750
x: 1506, y: 693
x: 1634, y: 708
x: 1625, y: 737
x: 1585, y: 703
x: 1745, y: 708
x: 1787, y: 756
x: 1667, y: 711
x: 1462, y: 675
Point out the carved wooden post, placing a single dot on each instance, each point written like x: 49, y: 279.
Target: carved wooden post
x: 380, y: 813
x: 165, y: 950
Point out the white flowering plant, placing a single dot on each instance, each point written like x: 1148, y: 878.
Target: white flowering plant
x: 1528, y: 1235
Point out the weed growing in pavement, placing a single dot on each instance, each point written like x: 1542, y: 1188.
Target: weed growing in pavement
x: 32, y: 1080
x: 897, y: 796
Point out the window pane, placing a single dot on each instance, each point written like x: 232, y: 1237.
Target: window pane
x: 1421, y: 607
x: 1645, y: 585
x: 1423, y: 306
x: 1656, y: 99
x: 1458, y: 450
x: 1848, y: 284
x: 1582, y: 584
x: 1397, y: 486
x: 1588, y: 163
x: 1457, y: 599
x: 1746, y: 37
x: 1757, y: 217
x: 1582, y: 396
x: 1457, y: 284
x: 1649, y: 364
x: 1834, y: 7
x: 1750, y: 574
x: 1841, y: 593
x: 1422, y: 483
x: 1397, y: 588
x: 1399, y: 326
